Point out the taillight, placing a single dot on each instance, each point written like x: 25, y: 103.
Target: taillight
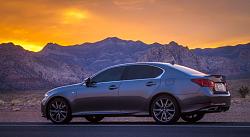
x: 204, y: 82
x: 226, y: 85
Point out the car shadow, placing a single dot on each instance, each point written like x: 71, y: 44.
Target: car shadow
x: 131, y: 123
x: 154, y: 123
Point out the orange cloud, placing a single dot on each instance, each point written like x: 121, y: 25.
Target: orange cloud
x: 194, y: 23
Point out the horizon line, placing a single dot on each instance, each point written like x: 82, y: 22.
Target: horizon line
x: 107, y: 38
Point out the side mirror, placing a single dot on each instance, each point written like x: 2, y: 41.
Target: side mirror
x: 87, y: 82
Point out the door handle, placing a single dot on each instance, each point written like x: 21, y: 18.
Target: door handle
x: 150, y: 83
x: 112, y: 87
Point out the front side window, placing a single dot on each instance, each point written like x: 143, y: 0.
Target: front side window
x: 141, y: 72
x: 112, y: 74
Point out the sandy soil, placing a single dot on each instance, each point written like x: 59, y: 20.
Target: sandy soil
x: 25, y: 107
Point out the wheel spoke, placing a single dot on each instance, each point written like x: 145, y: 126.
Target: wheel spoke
x: 163, y: 116
x: 63, y: 111
x: 63, y: 106
x: 170, y: 115
x: 166, y: 103
x: 53, y: 114
x: 162, y: 104
x: 57, y: 117
x: 52, y: 111
x: 57, y: 105
x: 170, y: 110
x: 53, y: 105
x: 63, y: 115
x: 157, y: 103
x: 170, y: 104
x: 157, y: 114
x: 157, y: 109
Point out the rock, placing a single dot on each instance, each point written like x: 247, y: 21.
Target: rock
x: 2, y: 102
x: 15, y: 102
x: 16, y: 109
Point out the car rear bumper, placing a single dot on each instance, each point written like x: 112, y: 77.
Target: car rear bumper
x: 206, y: 104
x: 217, y: 104
x: 213, y: 109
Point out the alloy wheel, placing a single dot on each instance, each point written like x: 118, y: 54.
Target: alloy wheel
x: 165, y: 109
x: 58, y: 111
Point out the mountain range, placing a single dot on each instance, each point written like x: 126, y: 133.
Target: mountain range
x: 57, y: 65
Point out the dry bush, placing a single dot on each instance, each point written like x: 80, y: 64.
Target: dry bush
x: 2, y: 102
x: 244, y: 90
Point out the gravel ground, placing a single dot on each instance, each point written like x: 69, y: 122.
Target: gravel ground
x: 25, y: 107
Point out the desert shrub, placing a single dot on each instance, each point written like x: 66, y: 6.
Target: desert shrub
x: 2, y: 102
x: 15, y: 102
x: 244, y: 90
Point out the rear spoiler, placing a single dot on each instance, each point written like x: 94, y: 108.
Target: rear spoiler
x: 217, y: 78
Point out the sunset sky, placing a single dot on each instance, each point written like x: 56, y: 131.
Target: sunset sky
x: 195, y: 23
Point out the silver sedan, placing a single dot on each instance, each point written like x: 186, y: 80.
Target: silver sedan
x: 161, y: 90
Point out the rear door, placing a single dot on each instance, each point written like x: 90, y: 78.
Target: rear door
x: 138, y: 82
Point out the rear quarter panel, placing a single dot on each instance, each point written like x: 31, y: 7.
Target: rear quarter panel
x: 179, y: 85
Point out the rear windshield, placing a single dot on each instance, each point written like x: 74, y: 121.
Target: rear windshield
x: 188, y: 70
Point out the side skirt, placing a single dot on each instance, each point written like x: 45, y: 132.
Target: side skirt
x: 111, y: 114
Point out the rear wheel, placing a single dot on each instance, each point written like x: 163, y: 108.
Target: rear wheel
x: 165, y: 109
x: 59, y: 111
x: 192, y: 117
x: 94, y: 119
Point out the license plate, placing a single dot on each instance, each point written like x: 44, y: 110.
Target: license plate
x: 220, y: 87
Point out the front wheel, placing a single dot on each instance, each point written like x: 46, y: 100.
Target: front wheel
x: 193, y: 117
x: 165, y: 109
x: 59, y: 111
x: 94, y: 119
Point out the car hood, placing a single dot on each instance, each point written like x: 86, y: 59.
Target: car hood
x: 64, y: 89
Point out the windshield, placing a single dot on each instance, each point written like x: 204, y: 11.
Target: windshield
x: 188, y: 70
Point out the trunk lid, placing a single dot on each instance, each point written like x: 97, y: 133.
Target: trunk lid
x: 220, y: 85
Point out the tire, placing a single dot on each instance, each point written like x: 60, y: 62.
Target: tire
x: 165, y: 109
x: 192, y: 117
x: 58, y: 111
x: 94, y: 119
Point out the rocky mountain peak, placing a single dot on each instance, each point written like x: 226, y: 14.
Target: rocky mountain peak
x: 9, y: 48
x: 173, y: 43
x: 10, y: 45
x: 156, y: 44
x: 112, y: 39
x: 51, y: 47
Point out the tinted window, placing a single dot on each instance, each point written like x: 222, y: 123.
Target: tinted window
x: 188, y: 70
x: 112, y: 74
x: 141, y: 72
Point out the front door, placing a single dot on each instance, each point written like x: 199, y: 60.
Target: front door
x: 101, y: 97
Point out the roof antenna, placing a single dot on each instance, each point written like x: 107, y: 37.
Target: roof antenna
x: 173, y: 61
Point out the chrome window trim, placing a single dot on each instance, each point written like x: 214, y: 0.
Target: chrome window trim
x: 158, y: 77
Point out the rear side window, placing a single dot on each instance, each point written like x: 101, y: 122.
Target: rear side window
x: 112, y: 74
x: 141, y: 72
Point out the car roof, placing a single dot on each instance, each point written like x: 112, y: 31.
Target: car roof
x: 144, y: 63
x: 164, y: 65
